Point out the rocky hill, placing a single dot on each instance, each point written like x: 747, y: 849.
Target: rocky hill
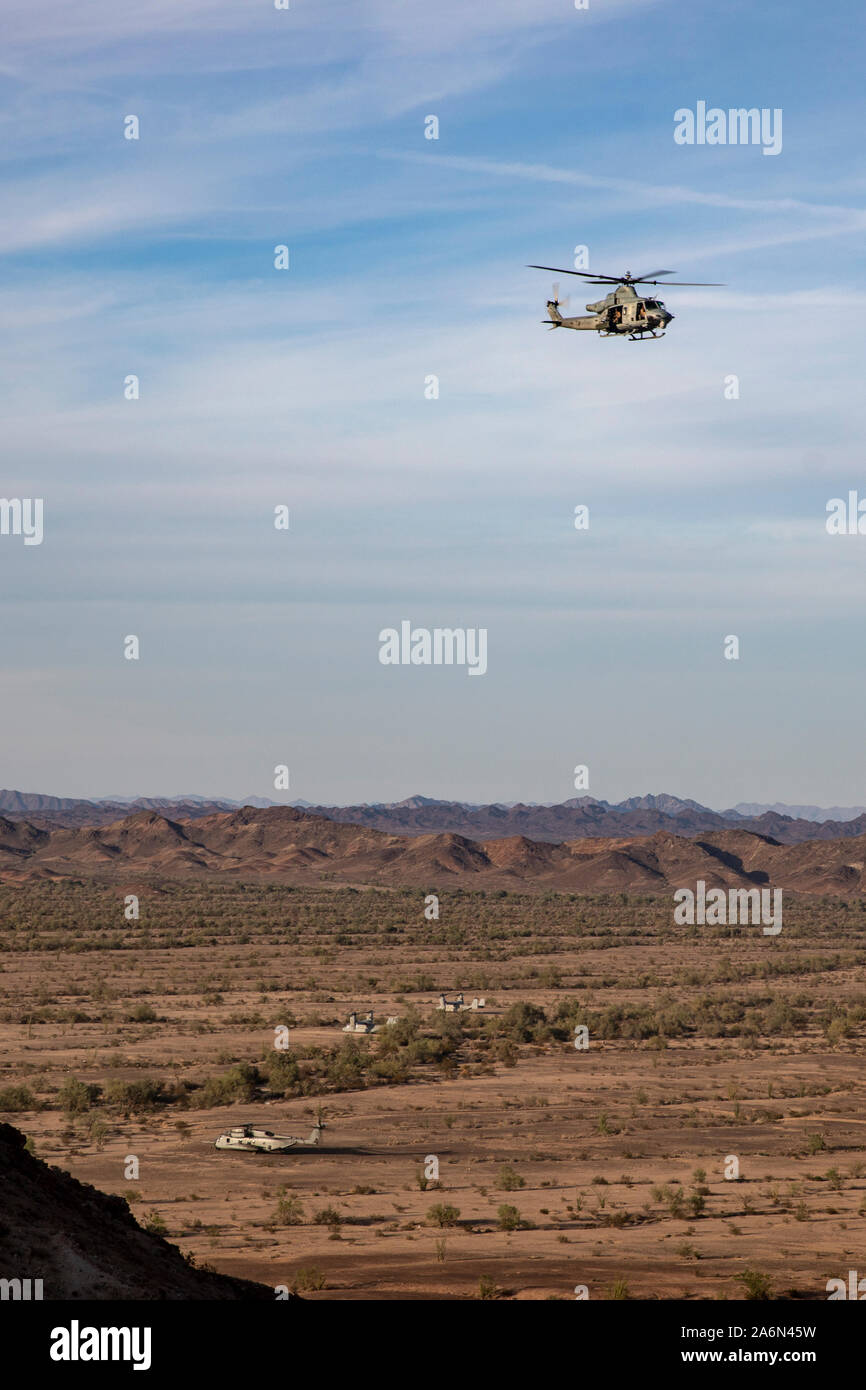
x: 83, y: 1243
x: 292, y: 846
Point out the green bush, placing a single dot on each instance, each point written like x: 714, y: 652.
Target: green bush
x: 443, y: 1215
x: 142, y: 1013
x: 488, y: 1288
x: 509, y: 1180
x: 757, y: 1285
x: 14, y: 1098
x: 154, y: 1223
x: 328, y: 1216
x: 508, y: 1218
x: 240, y: 1082
x: 133, y: 1096
x: 77, y: 1097
x: 282, y: 1072
x: 289, y: 1210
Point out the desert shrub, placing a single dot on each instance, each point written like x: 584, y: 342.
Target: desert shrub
x: 282, y: 1072
x: 77, y: 1097
x: 757, y: 1285
x: 488, y: 1288
x: 399, y: 1035
x: 345, y: 1067
x: 328, y: 1216
x: 142, y: 1013
x: 618, y: 1290
x: 240, y: 1082
x: 522, y: 1023
x: 616, y: 1218
x: 508, y: 1218
x: 505, y: 1050
x: 443, y: 1215
x: 290, y: 1211
x: 782, y: 1018
x: 134, y: 1096
x: 98, y: 1131
x: 390, y: 1069
x: 509, y: 1180
x: 14, y: 1098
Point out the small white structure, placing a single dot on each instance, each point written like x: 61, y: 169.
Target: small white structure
x: 360, y: 1023
x: 245, y: 1137
x: 457, y: 1004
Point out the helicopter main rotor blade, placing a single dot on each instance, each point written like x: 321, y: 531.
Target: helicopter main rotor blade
x: 560, y: 270
x: 598, y: 279
x: 648, y: 274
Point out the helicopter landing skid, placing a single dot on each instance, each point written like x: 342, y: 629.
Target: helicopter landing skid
x: 637, y: 337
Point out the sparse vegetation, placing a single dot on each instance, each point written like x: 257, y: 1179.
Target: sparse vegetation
x: 175, y: 1016
x: 443, y: 1214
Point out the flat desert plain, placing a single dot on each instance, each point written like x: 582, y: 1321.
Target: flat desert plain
x: 708, y: 1142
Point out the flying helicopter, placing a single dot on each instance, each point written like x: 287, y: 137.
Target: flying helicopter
x: 623, y: 312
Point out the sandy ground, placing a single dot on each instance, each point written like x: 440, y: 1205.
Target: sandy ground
x: 601, y: 1140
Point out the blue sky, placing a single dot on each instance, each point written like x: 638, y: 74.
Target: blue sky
x: 306, y: 387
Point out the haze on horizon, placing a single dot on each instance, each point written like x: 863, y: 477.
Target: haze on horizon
x: 306, y: 388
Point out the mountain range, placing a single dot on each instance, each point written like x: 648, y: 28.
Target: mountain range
x: 287, y: 845
x: 577, y: 818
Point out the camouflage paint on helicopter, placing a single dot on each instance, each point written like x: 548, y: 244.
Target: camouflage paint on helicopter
x: 623, y: 312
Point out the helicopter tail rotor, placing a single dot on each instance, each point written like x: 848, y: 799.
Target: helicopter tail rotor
x: 553, y: 310
x: 556, y: 301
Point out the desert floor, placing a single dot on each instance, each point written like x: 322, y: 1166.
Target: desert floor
x: 709, y: 1049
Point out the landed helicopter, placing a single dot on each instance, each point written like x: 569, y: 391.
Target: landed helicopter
x: 245, y: 1137
x: 623, y: 312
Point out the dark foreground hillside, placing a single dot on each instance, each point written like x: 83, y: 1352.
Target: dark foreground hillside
x: 85, y: 1244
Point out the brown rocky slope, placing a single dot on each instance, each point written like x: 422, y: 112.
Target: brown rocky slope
x: 293, y: 846
x: 83, y: 1243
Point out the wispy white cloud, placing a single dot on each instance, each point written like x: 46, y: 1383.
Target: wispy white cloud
x: 649, y: 193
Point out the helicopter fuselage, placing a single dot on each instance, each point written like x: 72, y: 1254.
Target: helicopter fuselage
x: 622, y: 313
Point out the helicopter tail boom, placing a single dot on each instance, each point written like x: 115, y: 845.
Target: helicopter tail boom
x: 557, y: 320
